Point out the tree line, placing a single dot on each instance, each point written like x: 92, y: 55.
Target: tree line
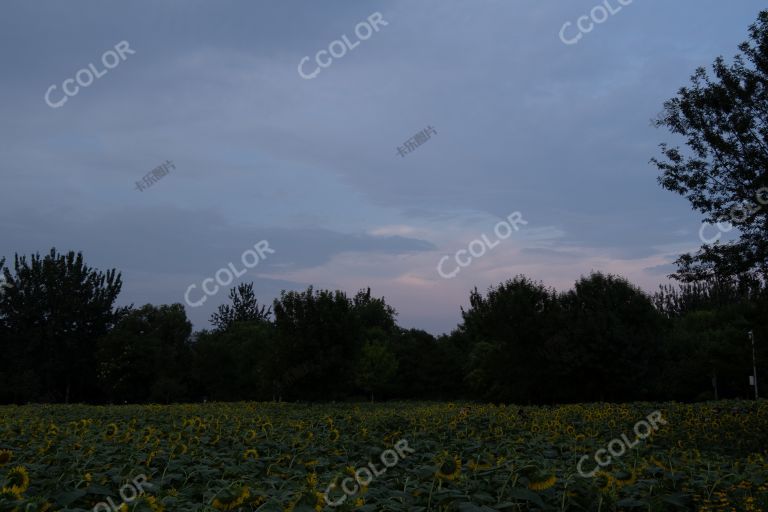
x: 63, y: 340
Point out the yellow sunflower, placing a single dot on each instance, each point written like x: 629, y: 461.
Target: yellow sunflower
x: 542, y: 481
x: 39, y: 504
x: 604, y: 481
x: 625, y: 478
x: 111, y: 431
x: 450, y: 468
x: 232, y: 501
x: 251, y: 454
x: 178, y: 449
x: 18, y: 477
x: 155, y: 505
x: 9, y: 493
x: 480, y: 464
x: 5, y: 457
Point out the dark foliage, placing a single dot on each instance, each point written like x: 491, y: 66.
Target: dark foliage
x: 62, y: 340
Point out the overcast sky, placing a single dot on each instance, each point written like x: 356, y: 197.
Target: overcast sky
x: 560, y: 133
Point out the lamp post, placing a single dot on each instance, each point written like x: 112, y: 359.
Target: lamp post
x: 754, y: 363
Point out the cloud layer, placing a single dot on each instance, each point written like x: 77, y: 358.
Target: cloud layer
x: 524, y: 123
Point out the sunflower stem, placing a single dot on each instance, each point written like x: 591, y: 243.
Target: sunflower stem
x: 429, y: 503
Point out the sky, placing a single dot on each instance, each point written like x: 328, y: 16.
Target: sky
x: 323, y: 167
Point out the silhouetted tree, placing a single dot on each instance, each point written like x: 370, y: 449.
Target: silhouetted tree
x: 611, y: 341
x: 724, y: 120
x: 146, y: 356
x: 507, y: 330
x: 240, y: 363
x: 244, y: 308
x: 52, y: 314
x: 376, y: 367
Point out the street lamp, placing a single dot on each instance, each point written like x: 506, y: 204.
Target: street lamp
x: 754, y: 363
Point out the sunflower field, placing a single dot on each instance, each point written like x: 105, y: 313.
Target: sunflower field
x: 460, y: 457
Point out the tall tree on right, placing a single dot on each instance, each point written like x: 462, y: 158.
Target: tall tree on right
x: 723, y: 117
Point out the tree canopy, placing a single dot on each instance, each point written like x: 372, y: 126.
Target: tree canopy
x: 722, y: 116
x: 519, y: 342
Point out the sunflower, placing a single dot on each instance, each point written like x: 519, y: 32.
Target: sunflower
x: 482, y: 463
x: 450, y: 468
x: 625, y: 478
x: 178, y: 449
x: 258, y: 501
x: 310, y: 500
x: 542, y: 481
x: 155, y: 505
x: 334, y: 435
x: 150, y: 456
x: 231, y: 501
x: 5, y: 457
x: 251, y: 453
x: 312, y: 480
x: 320, y: 501
x: 39, y: 504
x: 19, y: 479
x: 111, y: 431
x: 8, y: 493
x: 604, y: 481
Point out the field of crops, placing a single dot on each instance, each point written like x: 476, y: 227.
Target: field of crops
x: 409, y: 457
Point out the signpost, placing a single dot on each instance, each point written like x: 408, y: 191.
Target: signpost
x: 753, y: 378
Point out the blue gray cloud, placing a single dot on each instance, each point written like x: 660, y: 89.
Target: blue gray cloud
x: 524, y: 123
